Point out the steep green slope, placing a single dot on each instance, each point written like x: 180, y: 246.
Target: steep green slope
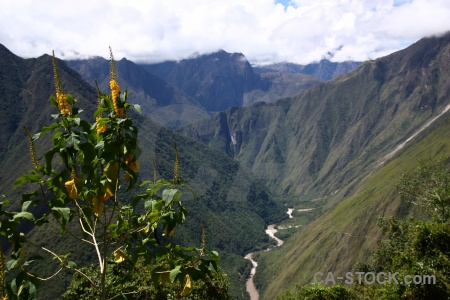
x: 235, y: 207
x: 319, y: 141
x: 345, y: 234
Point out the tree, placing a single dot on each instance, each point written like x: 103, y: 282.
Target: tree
x: 428, y: 187
x: 417, y: 246
x: 84, y: 182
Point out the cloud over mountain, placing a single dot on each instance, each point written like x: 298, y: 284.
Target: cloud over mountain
x: 264, y: 31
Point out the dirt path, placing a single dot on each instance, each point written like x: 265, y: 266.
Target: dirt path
x: 399, y: 147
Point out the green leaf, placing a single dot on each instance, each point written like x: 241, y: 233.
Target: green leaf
x: 100, y: 146
x: 27, y: 197
x: 24, y: 215
x: 74, y: 140
x: 170, y: 195
x: 88, y: 151
x: 53, y: 101
x: 49, y: 158
x: 32, y: 259
x: 70, y: 99
x: 71, y: 265
x: 174, y: 273
x: 27, y: 178
x: 25, y: 205
x: 62, y: 212
x: 76, y: 121
x: 137, y: 107
x: 99, y: 111
x: 152, y: 205
x: 49, y: 128
x: 11, y: 264
x: 41, y: 221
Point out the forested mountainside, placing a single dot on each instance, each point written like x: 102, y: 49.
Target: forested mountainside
x: 344, y: 143
x: 322, y: 140
x: 343, y: 238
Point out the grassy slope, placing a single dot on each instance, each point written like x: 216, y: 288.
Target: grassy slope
x: 348, y: 232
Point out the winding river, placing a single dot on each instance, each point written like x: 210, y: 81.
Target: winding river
x: 270, y: 231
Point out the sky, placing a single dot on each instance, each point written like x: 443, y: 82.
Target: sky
x: 265, y: 31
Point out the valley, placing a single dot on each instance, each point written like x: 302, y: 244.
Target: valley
x: 292, y: 165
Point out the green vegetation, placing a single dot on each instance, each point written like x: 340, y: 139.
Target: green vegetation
x: 222, y: 185
x: 346, y: 233
x: 414, y: 247
x: 84, y: 182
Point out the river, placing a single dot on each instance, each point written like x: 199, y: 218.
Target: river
x: 270, y: 231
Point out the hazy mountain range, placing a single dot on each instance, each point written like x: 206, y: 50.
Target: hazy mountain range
x: 176, y: 93
x: 323, y: 139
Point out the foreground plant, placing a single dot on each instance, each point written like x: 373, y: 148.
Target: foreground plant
x: 84, y: 182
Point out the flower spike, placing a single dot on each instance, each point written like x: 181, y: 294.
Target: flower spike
x: 115, y: 89
x: 61, y: 98
x: 100, y: 128
x: 33, y: 154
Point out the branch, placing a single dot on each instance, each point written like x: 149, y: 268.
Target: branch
x: 40, y: 278
x: 123, y: 294
x: 87, y: 277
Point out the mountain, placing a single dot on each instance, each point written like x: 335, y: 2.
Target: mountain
x: 324, y: 139
x: 235, y: 207
x: 323, y: 70
x: 346, y: 234
x: 221, y: 80
x: 164, y: 103
x: 344, y: 144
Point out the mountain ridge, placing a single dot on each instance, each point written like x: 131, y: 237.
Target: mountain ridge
x: 338, y: 128
x: 221, y: 80
x: 323, y: 70
x: 166, y: 104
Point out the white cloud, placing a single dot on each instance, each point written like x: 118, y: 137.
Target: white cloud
x: 262, y: 30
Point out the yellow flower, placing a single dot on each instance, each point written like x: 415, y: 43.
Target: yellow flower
x: 100, y: 128
x: 166, y: 233
x: 187, y: 286
x: 61, y: 98
x: 115, y: 90
x: 119, y: 256
x: 71, y: 187
x: 63, y: 105
x: 98, y: 206
x: 131, y: 163
x: 108, y: 194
